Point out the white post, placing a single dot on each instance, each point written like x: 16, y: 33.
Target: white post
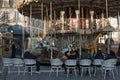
x: 77, y: 19
x: 92, y: 15
x: 62, y: 19
x: 103, y: 20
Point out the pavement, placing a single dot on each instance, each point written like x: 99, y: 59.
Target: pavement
x: 44, y: 75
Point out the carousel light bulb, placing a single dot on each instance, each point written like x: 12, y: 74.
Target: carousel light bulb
x: 77, y: 11
x: 36, y: 1
x: 62, y: 12
x: 11, y: 31
x: 91, y: 12
x: 92, y: 15
x: 53, y: 44
x: 27, y: 3
x: 62, y: 19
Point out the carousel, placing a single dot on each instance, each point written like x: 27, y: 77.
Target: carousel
x: 72, y: 23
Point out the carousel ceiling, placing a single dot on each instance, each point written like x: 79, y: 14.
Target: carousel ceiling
x: 41, y: 8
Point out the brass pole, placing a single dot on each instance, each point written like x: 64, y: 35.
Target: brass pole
x: 47, y: 20
x: 70, y: 12
x: 31, y: 30
x: 38, y: 31
x: 16, y: 20
x: 51, y: 27
x: 54, y: 24
x: 79, y: 5
x: 54, y: 15
x: 51, y: 14
x: 84, y: 36
x: 23, y: 36
x: 80, y: 51
x: 118, y: 21
x: 47, y: 17
x: 108, y: 50
x: 62, y: 19
x: 47, y: 12
x: 42, y: 10
x: 70, y: 26
x: 77, y: 19
x: 70, y: 18
x: 82, y: 18
x: 107, y: 9
x: 44, y: 31
x: 50, y: 20
x: 42, y: 17
x: 51, y: 9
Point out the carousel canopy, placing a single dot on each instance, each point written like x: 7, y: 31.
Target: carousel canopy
x: 69, y: 6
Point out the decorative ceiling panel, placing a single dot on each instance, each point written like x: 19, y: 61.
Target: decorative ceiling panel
x: 99, y: 6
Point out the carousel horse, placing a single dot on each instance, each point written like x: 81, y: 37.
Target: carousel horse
x: 93, y: 46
